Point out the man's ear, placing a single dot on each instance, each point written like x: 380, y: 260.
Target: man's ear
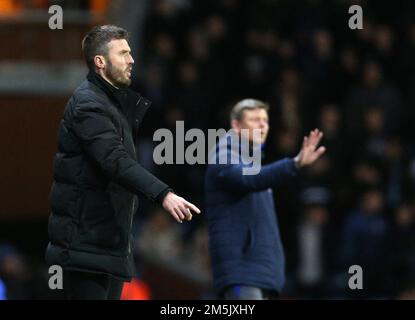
x: 99, y: 62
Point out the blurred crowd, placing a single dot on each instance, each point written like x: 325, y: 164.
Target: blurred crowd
x: 353, y: 207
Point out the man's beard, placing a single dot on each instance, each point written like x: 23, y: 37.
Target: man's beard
x: 117, y: 76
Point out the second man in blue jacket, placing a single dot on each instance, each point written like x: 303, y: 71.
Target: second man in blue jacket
x: 244, y: 240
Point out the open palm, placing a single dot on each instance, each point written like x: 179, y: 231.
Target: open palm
x: 309, y: 151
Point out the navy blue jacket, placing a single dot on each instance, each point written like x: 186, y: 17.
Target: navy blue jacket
x: 244, y: 238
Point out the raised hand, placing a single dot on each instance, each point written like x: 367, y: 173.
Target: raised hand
x: 178, y: 207
x: 309, y: 151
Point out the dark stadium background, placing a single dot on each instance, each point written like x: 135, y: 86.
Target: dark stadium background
x: 194, y: 60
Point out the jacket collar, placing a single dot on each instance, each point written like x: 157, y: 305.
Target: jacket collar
x: 131, y: 103
x: 100, y: 82
x: 123, y: 97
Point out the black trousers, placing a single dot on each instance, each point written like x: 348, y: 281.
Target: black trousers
x: 90, y: 286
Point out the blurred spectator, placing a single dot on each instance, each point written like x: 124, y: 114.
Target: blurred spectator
x: 315, y: 250
x: 330, y: 121
x: 373, y: 92
x: 347, y: 72
x: 364, y: 242
x: 401, y: 259
x: 394, y: 166
x: 319, y: 67
x: 383, y: 41
x: 161, y: 237
x: 374, y: 120
x: 15, y: 273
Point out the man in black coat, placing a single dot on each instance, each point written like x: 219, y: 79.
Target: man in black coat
x: 97, y: 176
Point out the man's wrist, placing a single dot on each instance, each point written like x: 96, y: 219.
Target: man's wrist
x: 163, y: 194
x: 297, y: 162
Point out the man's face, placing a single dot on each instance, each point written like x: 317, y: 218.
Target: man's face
x: 253, y: 119
x: 119, y: 63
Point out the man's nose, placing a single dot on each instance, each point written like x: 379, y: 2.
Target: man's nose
x: 262, y: 124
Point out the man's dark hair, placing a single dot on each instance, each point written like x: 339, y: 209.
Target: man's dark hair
x: 96, y: 41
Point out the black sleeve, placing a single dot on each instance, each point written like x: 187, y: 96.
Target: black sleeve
x: 102, y: 144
